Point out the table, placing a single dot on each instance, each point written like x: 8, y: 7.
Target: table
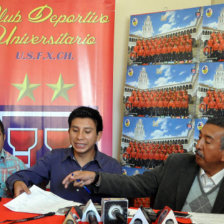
x: 8, y: 214
x: 5, y: 213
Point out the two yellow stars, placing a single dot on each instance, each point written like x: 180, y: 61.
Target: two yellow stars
x: 26, y: 89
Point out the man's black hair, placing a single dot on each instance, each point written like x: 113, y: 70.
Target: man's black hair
x: 218, y: 121
x: 87, y: 112
x: 2, y: 127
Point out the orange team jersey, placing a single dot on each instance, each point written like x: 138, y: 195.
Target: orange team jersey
x: 215, y: 47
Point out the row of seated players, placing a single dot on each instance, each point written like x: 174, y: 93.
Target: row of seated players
x: 151, y: 155
x: 215, y: 46
x: 213, y: 103
x: 162, y: 49
x: 158, y: 103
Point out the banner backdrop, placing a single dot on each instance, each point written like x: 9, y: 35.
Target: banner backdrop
x: 55, y: 56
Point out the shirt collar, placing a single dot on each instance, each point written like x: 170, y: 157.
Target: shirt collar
x: 215, y: 178
x: 70, y: 154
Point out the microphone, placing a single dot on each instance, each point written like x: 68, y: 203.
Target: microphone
x: 166, y: 216
x: 116, y: 214
x: 90, y: 213
x: 140, y: 217
x: 138, y: 221
x: 169, y: 221
x: 114, y: 210
x: 149, y: 214
x: 91, y: 217
x: 73, y: 216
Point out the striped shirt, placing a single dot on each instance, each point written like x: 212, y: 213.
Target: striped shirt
x: 9, y: 164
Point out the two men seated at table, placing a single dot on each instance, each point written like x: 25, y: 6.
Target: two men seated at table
x: 85, y: 129
x: 9, y: 164
x: 184, y: 182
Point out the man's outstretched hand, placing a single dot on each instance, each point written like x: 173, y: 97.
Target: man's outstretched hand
x: 79, y: 178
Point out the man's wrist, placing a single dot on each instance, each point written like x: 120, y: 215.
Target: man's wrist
x: 96, y: 181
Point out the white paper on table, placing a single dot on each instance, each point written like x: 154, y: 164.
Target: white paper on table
x: 39, y: 201
x: 207, y: 218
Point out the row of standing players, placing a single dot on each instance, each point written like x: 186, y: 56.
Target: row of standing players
x: 214, y: 46
x: 212, y: 103
x: 158, y: 103
x: 151, y: 155
x: 163, y: 49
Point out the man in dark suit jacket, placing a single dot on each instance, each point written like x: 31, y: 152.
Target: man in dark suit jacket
x: 187, y: 182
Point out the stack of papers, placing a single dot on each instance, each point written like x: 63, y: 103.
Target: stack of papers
x: 40, y: 202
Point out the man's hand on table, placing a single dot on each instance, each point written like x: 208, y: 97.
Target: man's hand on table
x: 20, y: 187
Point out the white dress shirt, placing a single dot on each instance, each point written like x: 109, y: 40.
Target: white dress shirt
x: 209, y: 182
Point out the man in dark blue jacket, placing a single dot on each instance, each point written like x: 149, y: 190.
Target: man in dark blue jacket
x: 85, y: 129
